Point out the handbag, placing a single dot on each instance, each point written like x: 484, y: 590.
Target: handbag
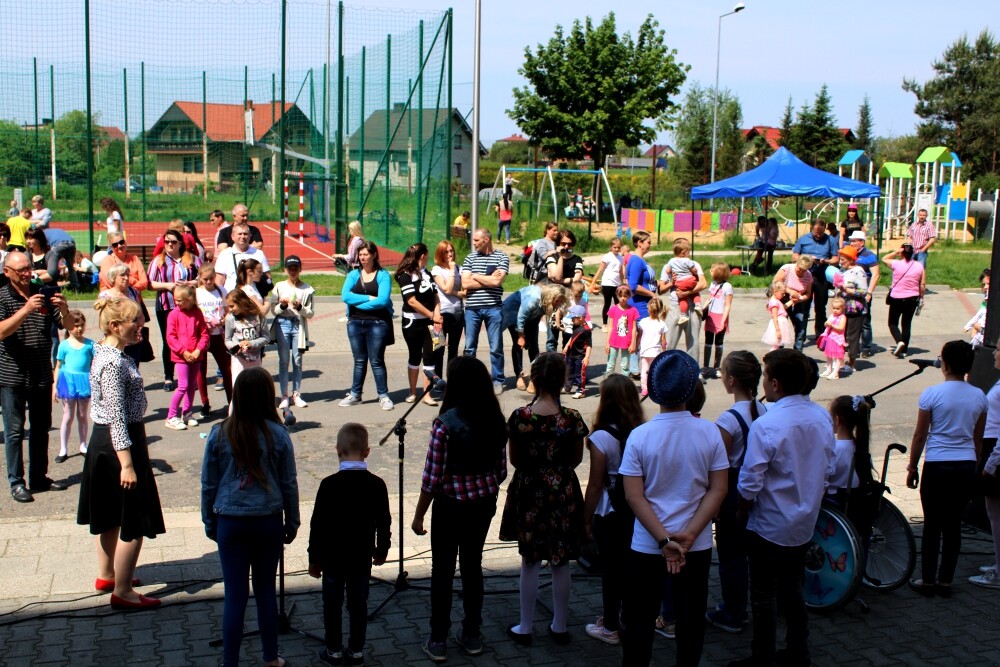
x: 888, y: 294
x: 145, y: 347
x: 821, y: 341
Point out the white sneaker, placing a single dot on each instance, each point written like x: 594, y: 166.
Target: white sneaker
x: 700, y: 310
x: 986, y: 580
x: 983, y: 569
x: 176, y: 424
x: 349, y: 400
x: 826, y: 373
x: 498, y: 388
x: 83, y: 448
x: 385, y: 402
x: 683, y: 319
x: 284, y: 403
x: 298, y: 402
x: 579, y: 394
x: 833, y: 376
x: 189, y: 420
x: 899, y: 349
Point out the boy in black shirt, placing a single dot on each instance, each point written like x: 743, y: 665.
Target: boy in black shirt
x: 577, y: 352
x: 349, y: 532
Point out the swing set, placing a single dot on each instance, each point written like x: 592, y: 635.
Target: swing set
x: 576, y: 209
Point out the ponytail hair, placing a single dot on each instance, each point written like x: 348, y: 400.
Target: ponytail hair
x: 744, y: 368
x: 855, y: 413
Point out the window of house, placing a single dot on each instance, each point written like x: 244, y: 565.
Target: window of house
x: 403, y: 168
x: 456, y: 142
x: 193, y: 164
x: 458, y: 170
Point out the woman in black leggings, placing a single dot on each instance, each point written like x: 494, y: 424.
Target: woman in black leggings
x: 950, y: 424
x: 906, y: 292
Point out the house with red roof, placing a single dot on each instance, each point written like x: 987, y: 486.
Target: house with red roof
x: 191, y: 137
x: 773, y: 135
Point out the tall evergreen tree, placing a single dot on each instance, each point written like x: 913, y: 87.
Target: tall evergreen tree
x: 787, y: 124
x: 863, y: 138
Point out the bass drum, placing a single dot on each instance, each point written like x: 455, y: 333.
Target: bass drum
x: 834, y: 562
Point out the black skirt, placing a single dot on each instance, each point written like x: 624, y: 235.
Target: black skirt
x: 104, y: 504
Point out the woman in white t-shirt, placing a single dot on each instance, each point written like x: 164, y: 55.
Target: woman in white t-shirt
x: 950, y: 424
x: 618, y: 414
x: 610, y: 275
x: 115, y: 221
x: 448, y: 278
x: 675, y: 471
x: 741, y: 374
x: 212, y: 302
x: 991, y: 452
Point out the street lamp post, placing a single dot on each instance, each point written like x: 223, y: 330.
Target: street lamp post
x: 715, y: 97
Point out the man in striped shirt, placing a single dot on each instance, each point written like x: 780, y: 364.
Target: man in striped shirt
x: 483, y: 272
x: 921, y: 235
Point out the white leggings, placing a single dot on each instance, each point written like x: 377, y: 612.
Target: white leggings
x: 80, y: 407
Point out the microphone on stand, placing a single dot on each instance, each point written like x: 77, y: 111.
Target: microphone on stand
x: 926, y: 363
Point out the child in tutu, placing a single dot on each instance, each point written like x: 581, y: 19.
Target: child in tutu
x: 836, y: 324
x: 73, y: 360
x: 780, y: 331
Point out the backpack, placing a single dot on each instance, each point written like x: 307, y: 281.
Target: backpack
x: 615, y: 485
x: 526, y: 260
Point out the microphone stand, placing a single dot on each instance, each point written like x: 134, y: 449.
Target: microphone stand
x: 402, y: 582
x: 869, y: 398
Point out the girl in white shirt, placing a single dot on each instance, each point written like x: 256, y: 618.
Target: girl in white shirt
x: 950, y: 424
x: 652, y: 337
x: 988, y: 573
x: 741, y: 374
x: 618, y: 414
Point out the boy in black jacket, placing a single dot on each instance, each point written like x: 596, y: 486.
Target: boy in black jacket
x: 349, y: 532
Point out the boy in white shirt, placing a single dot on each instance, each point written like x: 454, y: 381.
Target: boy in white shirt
x: 789, y: 458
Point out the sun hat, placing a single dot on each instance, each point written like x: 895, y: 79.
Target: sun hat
x: 672, y: 378
x: 857, y: 235
x: 576, y: 311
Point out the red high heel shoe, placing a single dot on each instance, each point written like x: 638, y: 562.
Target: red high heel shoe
x: 122, y: 604
x: 108, y: 585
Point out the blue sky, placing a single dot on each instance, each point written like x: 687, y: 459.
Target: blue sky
x: 770, y: 51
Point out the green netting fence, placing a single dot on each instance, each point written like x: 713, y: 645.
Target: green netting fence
x: 145, y: 102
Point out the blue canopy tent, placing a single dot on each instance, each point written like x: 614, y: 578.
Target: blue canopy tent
x: 784, y: 175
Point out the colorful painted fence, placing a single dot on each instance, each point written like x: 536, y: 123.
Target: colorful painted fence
x: 669, y: 222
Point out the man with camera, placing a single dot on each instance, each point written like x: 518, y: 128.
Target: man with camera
x: 27, y: 313
x: 562, y: 267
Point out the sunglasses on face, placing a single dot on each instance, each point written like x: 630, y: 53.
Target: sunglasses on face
x: 118, y: 244
x: 169, y: 242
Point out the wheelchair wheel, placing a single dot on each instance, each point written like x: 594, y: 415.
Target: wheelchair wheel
x: 892, y: 551
x: 834, y: 562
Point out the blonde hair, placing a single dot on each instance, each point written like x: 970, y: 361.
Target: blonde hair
x: 720, y: 272
x: 681, y: 246
x: 778, y: 285
x: 185, y: 291
x: 577, y: 288
x: 117, y: 270
x: 656, y: 309
x: 354, y: 227
x: 553, y: 296
x: 837, y: 302
x: 115, y: 309
x: 206, y: 270
x: 177, y: 225
x: 805, y: 262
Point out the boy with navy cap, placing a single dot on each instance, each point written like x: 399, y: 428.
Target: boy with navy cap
x: 676, y: 472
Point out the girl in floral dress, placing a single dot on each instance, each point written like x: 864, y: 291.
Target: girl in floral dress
x: 544, y: 508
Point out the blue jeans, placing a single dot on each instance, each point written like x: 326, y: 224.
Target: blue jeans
x: 921, y: 257
x: 866, y: 329
x: 493, y: 317
x: 799, y: 315
x: 38, y: 400
x: 249, y: 544
x: 368, y: 345
x: 288, y: 342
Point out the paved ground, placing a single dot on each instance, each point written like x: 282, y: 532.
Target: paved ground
x: 49, y: 615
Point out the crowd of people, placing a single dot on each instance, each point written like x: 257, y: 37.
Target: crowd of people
x: 747, y: 472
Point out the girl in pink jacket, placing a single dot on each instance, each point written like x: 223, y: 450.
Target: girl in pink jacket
x: 187, y: 338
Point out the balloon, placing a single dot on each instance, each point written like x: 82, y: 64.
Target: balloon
x: 735, y: 271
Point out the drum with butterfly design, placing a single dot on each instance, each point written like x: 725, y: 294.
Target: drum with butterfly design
x: 834, y: 562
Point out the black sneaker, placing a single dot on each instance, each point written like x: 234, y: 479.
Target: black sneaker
x: 206, y: 411
x: 328, y: 657
x: 168, y: 385
x: 436, y: 651
x: 471, y: 645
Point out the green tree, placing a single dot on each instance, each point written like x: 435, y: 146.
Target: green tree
x: 959, y: 104
x: 591, y: 88
x: 787, y: 125
x: 71, y: 144
x: 511, y: 152
x: 694, y: 136
x: 863, y: 139
x: 818, y: 140
x: 16, y: 147
x: 903, y: 149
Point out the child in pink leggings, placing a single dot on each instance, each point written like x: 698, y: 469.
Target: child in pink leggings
x: 187, y: 338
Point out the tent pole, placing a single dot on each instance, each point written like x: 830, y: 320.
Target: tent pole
x: 796, y: 218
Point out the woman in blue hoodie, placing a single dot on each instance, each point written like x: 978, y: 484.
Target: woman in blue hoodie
x: 250, y: 507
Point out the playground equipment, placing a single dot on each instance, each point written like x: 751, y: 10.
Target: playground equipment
x: 577, y: 211
x: 858, y: 163
x: 897, y: 198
